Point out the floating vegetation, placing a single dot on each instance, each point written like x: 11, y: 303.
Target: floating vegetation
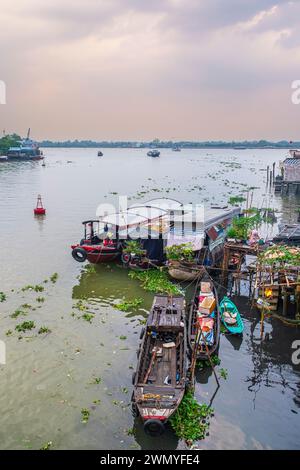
x: 9, y: 332
x: 224, y: 373
x: 26, y: 325
x: 47, y: 446
x: 36, y: 288
x: 2, y: 297
x: 154, y: 280
x: 88, y: 317
x: 27, y: 306
x: 96, y: 402
x: 44, y: 330
x: 85, y: 415
x: 127, y: 306
x: 80, y: 305
x: 191, y: 420
x: 96, y: 380
x: 215, y: 360
x: 40, y: 299
x: 17, y: 313
x: 122, y: 337
x: 90, y: 268
x: 54, y: 278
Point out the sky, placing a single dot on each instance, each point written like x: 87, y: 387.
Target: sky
x: 141, y: 69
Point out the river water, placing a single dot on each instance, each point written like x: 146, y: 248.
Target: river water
x: 49, y: 378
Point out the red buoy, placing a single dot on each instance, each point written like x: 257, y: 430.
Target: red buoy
x: 39, y: 210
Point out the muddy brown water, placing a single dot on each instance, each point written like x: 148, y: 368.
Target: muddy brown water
x: 49, y: 378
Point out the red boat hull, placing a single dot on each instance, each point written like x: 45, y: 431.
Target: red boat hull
x: 104, y: 256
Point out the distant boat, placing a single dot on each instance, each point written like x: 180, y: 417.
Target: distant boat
x: 26, y: 150
x: 176, y: 149
x: 3, y: 158
x: 100, y: 154
x: 153, y: 153
x: 239, y: 147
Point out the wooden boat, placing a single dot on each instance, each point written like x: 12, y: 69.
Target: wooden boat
x: 160, y: 379
x: 206, y: 332
x: 95, y: 249
x: 153, y: 153
x: 233, y: 321
x: 100, y: 154
x: 184, y: 270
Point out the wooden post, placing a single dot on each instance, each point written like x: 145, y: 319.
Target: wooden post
x: 262, y: 318
x: 225, y: 265
x: 285, y: 303
x: 274, y: 171
x: 297, y: 295
x: 267, y: 174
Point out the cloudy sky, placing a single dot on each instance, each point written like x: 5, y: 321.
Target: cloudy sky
x: 141, y: 69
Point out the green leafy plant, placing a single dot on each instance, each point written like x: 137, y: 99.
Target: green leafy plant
x: 46, y: 446
x: 133, y: 246
x: 154, y: 280
x: 26, y: 325
x: 224, y: 373
x: 127, y: 306
x: 54, y: 278
x: 17, y: 313
x: 241, y: 226
x: 191, y: 420
x: 182, y: 252
x: 88, y: 317
x: 85, y: 415
x: 2, y: 297
x: 235, y: 200
x: 44, y: 330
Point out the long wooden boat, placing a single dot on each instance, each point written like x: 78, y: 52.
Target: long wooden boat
x: 160, y: 379
x: 204, y: 328
x: 184, y: 270
x: 231, y: 317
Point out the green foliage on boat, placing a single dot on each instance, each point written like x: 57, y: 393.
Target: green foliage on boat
x: 182, y: 252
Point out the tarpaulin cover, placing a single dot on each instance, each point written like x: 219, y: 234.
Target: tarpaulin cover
x: 154, y: 248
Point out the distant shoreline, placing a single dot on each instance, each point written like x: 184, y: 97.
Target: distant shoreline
x: 261, y: 145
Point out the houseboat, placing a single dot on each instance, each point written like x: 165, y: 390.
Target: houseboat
x: 26, y: 150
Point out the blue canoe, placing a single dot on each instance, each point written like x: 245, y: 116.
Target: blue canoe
x: 228, y: 306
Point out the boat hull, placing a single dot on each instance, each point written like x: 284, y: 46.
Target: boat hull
x: 184, y: 271
x: 102, y: 257
x: 203, y: 354
x: 160, y: 378
x: 227, y: 304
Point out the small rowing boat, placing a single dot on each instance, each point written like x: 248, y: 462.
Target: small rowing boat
x: 204, y: 320
x: 231, y: 317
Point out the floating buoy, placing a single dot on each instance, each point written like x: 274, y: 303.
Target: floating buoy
x: 39, y: 210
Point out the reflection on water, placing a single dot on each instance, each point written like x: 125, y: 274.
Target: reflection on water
x: 48, y: 379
